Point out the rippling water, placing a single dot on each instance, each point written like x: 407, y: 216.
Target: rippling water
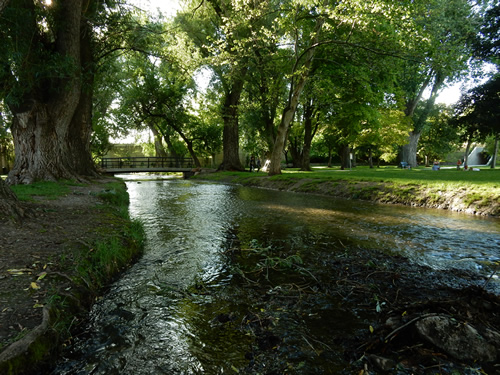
x: 161, y: 316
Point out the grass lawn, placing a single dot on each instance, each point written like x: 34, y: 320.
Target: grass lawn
x: 423, y: 176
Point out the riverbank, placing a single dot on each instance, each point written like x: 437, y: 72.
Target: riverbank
x: 73, y: 241
x: 395, y: 296
x: 476, y: 193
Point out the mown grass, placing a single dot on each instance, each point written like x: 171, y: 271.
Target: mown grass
x: 485, y: 178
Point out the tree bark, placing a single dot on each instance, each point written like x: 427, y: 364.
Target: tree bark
x: 3, y: 4
x: 159, y: 149
x: 409, y: 151
x: 309, y: 132
x: 296, y: 151
x: 52, y: 131
x: 467, y: 151
x: 345, y: 157
x: 80, y: 129
x: 231, y: 135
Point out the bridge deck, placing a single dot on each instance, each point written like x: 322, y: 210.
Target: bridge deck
x: 147, y: 164
x: 139, y: 169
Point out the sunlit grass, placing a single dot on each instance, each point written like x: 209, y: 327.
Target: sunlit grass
x: 420, y: 176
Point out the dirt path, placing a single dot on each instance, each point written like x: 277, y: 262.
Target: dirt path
x: 37, y: 256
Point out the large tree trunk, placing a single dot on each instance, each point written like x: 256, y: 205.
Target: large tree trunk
x: 295, y: 149
x: 330, y: 157
x: 3, y: 4
x: 196, y: 161
x: 345, y: 157
x: 231, y: 135
x: 309, y: 132
x: 467, y: 152
x: 159, y: 149
x: 80, y: 129
x: 52, y: 131
x: 370, y: 158
x: 409, y: 151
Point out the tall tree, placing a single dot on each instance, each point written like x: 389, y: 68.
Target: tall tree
x: 302, y: 57
x: 377, y: 27
x: 447, y: 29
x: 221, y: 30
x: 46, y: 81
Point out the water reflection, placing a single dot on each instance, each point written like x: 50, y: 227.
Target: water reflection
x: 164, y: 315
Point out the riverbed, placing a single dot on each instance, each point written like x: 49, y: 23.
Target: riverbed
x: 244, y: 280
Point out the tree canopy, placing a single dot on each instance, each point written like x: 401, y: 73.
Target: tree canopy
x: 284, y: 73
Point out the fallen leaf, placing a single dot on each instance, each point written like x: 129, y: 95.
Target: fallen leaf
x: 41, y: 276
x: 19, y: 271
x: 34, y: 285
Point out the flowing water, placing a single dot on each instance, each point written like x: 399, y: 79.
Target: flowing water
x: 186, y: 308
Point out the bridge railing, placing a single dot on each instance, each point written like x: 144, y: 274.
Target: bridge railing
x: 146, y: 162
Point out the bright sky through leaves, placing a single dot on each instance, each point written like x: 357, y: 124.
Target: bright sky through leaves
x: 167, y: 7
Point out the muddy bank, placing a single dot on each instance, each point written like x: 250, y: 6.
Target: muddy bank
x: 49, y: 276
x: 458, y: 200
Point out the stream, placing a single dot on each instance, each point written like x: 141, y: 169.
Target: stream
x: 202, y: 298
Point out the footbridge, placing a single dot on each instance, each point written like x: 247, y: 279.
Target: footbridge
x: 148, y: 164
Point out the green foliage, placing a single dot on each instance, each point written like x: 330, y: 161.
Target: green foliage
x: 488, y: 40
x: 438, y: 136
x: 478, y: 110
x: 109, y: 256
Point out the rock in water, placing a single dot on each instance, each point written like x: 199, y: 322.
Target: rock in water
x: 458, y: 339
